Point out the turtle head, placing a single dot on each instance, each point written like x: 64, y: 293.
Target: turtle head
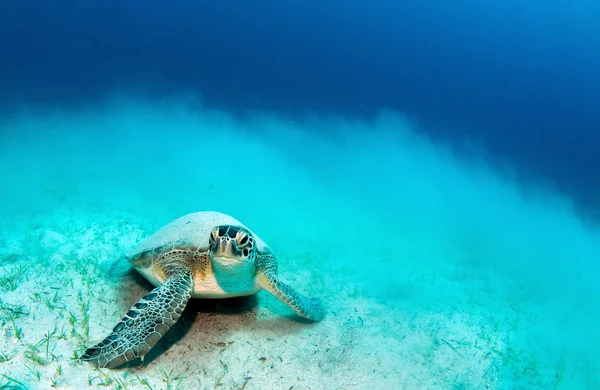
x: 231, y: 248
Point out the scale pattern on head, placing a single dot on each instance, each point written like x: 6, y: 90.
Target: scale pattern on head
x: 232, y: 242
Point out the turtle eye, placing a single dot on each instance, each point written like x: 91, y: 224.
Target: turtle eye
x: 214, y: 234
x: 243, y: 238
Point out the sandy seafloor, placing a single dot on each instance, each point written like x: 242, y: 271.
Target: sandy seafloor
x: 436, y: 272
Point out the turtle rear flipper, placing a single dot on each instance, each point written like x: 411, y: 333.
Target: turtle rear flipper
x: 144, y: 324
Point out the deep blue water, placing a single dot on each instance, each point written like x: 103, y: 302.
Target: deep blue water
x: 521, y: 78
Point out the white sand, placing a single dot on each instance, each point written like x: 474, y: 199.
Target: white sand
x: 436, y: 274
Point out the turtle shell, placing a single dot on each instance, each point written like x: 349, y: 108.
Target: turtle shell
x: 189, y: 232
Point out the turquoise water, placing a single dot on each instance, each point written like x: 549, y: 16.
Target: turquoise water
x: 437, y: 270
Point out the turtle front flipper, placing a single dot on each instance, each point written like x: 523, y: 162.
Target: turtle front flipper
x: 144, y: 324
x: 309, y: 308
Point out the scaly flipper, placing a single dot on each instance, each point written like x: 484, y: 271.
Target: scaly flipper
x: 145, y: 323
x: 309, y: 308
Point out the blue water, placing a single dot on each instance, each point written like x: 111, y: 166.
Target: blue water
x: 519, y: 77
x: 430, y: 168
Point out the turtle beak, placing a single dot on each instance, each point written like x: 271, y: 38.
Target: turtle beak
x: 225, y: 250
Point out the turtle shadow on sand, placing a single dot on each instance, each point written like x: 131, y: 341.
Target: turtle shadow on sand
x: 133, y: 285
x: 196, y: 306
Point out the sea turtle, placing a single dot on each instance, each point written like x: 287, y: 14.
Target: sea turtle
x: 201, y: 255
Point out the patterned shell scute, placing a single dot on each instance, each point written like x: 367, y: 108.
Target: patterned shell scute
x: 192, y: 229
